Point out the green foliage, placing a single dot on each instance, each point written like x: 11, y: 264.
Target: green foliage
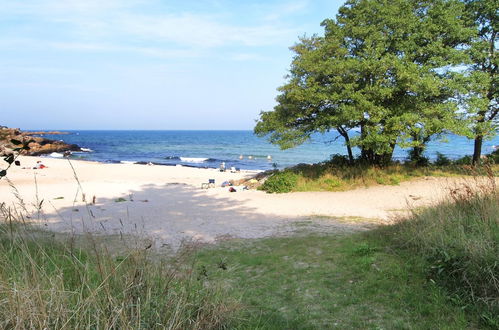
x: 379, y: 67
x: 416, y: 157
x: 480, y: 83
x: 495, y: 156
x: 280, y: 182
x: 442, y: 160
x: 339, y: 160
x: 465, y: 160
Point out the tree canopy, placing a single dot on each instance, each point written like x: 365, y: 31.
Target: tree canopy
x: 383, y: 69
x: 481, y: 79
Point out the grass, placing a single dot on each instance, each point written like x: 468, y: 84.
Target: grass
x: 365, y: 280
x: 318, y: 282
x: 46, y: 284
x: 329, y: 176
x: 460, y: 241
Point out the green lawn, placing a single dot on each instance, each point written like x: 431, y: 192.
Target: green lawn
x: 316, y: 282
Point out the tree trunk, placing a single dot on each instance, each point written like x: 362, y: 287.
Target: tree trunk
x: 349, y: 150
x: 344, y: 134
x: 386, y: 158
x: 417, y: 153
x: 365, y: 154
x: 477, y: 151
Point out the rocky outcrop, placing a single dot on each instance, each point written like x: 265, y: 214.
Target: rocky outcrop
x: 38, y: 146
x: 45, y: 133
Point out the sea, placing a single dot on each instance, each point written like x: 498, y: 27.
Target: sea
x: 240, y: 149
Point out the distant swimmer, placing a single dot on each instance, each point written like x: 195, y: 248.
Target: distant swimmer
x: 241, y: 156
x: 250, y: 157
x: 269, y: 157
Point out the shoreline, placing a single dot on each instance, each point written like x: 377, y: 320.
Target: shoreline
x: 131, y: 162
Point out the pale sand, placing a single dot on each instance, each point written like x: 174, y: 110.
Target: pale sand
x: 169, y: 206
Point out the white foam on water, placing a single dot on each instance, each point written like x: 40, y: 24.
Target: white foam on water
x: 128, y: 162
x: 56, y: 155
x: 193, y: 159
x: 86, y: 149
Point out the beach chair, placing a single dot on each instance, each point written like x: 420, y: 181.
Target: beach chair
x: 209, y: 184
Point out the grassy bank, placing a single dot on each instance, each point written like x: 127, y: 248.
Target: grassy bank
x: 459, y: 239
x: 337, y: 175
x: 45, y: 284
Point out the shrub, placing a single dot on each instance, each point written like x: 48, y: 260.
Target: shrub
x: 442, y: 160
x: 332, y: 182
x: 466, y: 160
x: 280, y: 182
x: 494, y: 155
x: 417, y: 158
x: 339, y: 160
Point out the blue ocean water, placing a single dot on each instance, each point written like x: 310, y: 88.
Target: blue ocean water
x: 210, y: 148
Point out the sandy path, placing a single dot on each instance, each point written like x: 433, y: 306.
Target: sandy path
x: 166, y: 203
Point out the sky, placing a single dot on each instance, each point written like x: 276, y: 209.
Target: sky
x: 147, y: 64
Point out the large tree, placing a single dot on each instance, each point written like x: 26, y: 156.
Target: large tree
x: 481, y: 93
x: 378, y: 69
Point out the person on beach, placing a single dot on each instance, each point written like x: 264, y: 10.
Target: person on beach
x: 39, y: 165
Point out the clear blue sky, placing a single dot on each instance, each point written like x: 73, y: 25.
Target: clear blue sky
x: 147, y: 64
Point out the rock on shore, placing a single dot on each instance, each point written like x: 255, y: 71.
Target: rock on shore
x: 40, y: 145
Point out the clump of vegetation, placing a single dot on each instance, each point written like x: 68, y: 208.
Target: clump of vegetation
x: 465, y: 160
x: 280, y: 182
x: 442, y: 160
x: 46, y: 284
x: 494, y: 156
x: 340, y: 174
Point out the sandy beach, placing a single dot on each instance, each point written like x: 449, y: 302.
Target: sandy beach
x: 167, y: 204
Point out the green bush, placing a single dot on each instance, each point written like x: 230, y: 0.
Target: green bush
x: 339, y: 160
x: 442, y: 160
x: 280, y: 182
x: 466, y: 160
x: 494, y: 155
x: 332, y: 183
x: 418, y: 159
